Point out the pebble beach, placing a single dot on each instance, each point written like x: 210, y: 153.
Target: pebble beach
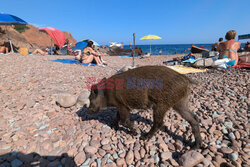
x: 36, y: 131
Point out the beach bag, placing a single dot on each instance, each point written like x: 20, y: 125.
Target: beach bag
x: 24, y: 51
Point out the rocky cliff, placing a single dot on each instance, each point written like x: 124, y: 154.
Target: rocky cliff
x: 32, y: 38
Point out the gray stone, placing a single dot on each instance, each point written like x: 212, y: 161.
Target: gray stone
x: 224, y: 131
x: 86, y: 163
x: 231, y: 136
x: 215, y: 115
x: 228, y: 125
x: 115, y: 155
x: 99, y: 162
x: 233, y: 156
x: 156, y: 159
x: 83, y: 98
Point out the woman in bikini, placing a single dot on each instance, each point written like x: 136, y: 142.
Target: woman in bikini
x: 90, y: 55
x: 228, y: 56
x: 229, y: 48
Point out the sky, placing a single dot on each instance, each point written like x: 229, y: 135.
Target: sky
x: 176, y: 21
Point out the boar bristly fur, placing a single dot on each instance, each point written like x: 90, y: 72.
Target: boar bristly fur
x: 170, y: 90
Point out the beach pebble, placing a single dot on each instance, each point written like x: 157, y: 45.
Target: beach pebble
x: 191, y: 158
x: 66, y: 100
x: 80, y: 158
x: 233, y: 156
x: 59, y: 136
x: 231, y: 136
x: 30, y: 103
x: 83, y: 98
x: 166, y: 155
x: 90, y: 150
x: 129, y: 157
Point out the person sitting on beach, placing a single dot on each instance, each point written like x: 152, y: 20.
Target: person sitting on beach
x: 215, y: 45
x: 247, y: 47
x: 45, y: 52
x: 228, y: 56
x: 68, y: 46
x: 77, y: 54
x: 56, y: 50
x: 229, y: 48
x: 4, y: 49
x: 138, y: 51
x: 90, y: 55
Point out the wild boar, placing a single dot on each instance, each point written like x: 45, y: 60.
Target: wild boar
x: 156, y: 87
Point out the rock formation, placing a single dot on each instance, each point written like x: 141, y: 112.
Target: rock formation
x: 32, y: 38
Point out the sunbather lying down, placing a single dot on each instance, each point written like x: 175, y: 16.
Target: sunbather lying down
x: 45, y: 52
x: 228, y: 57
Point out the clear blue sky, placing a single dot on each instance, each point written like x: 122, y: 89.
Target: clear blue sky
x: 176, y: 21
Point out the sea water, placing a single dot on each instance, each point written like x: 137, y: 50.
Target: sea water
x: 169, y: 49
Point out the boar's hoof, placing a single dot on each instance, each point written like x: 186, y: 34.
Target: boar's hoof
x: 135, y: 131
x: 146, y: 136
x: 198, y: 144
x: 115, y: 126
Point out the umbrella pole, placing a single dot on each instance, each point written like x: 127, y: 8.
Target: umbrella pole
x: 50, y: 46
x: 133, y: 61
x: 11, y: 47
x: 150, y: 47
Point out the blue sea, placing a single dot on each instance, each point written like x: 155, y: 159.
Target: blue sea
x: 169, y: 49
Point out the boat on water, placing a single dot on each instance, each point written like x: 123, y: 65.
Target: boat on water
x: 196, y: 49
x: 111, y: 44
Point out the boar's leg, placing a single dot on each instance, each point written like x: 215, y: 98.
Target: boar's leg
x: 117, y: 120
x: 182, y: 108
x: 158, y: 116
x: 124, y: 115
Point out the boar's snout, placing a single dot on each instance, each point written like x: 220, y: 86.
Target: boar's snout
x: 93, y: 109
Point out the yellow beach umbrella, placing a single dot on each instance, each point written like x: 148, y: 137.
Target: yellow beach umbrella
x: 150, y: 37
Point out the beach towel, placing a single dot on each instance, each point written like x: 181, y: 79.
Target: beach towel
x: 124, y: 56
x: 186, y: 70
x: 70, y: 61
x: 127, y: 56
x: 242, y: 65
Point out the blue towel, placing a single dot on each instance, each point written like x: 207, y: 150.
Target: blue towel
x: 124, y: 56
x: 70, y: 61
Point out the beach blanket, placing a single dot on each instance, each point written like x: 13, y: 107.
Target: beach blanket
x: 70, y: 61
x: 124, y: 56
x: 186, y: 70
x: 127, y: 56
x: 242, y: 65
